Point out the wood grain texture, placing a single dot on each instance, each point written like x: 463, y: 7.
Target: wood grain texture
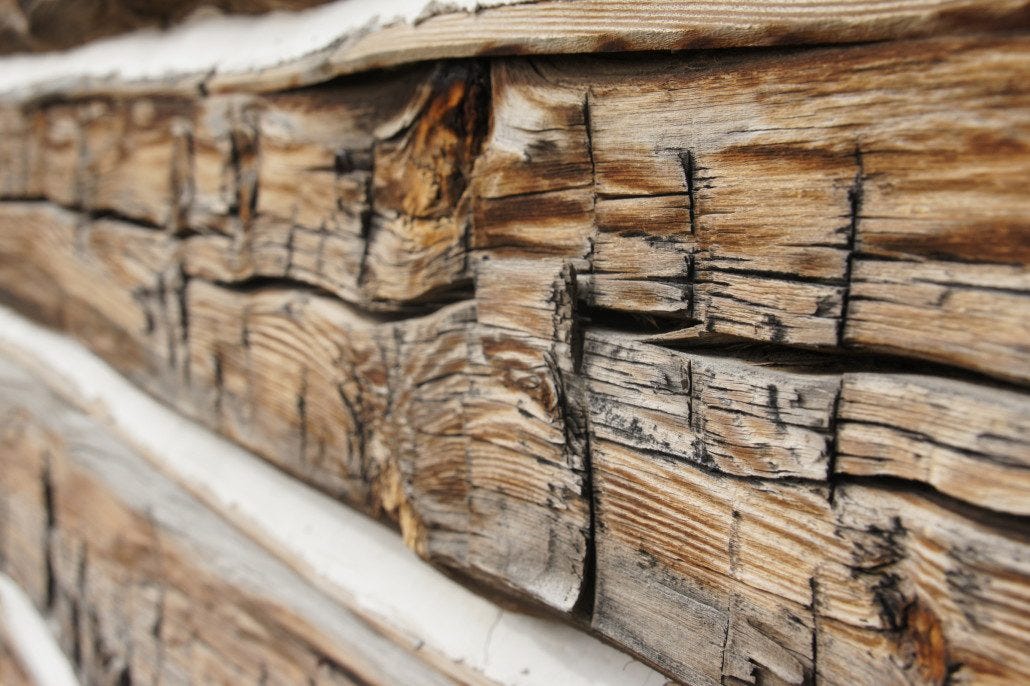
x: 721, y: 578
x: 798, y: 203
x: 749, y: 413
x: 410, y: 419
x: 529, y: 506
x: 144, y: 584
x: 388, y: 35
x: 785, y: 201
x: 344, y: 400
x: 722, y: 353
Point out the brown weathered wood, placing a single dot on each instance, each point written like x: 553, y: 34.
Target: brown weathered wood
x: 724, y: 352
x: 716, y: 577
x: 11, y: 670
x: 790, y: 202
x: 805, y: 220
x: 529, y: 506
x: 578, y: 26
x: 803, y: 416
x: 402, y: 417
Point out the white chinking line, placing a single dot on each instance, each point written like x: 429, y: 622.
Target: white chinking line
x: 344, y: 553
x: 218, y: 44
x: 28, y: 638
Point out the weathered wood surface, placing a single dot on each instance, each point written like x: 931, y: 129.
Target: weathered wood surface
x: 789, y: 214
x: 357, y: 561
x: 725, y: 354
x: 145, y: 585
x: 345, y: 37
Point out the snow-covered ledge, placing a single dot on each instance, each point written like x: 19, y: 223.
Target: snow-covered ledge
x: 356, y: 560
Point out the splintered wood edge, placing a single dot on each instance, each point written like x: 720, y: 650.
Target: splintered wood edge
x: 25, y: 633
x: 359, y: 562
x: 285, y: 50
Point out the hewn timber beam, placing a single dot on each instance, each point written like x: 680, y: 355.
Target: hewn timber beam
x: 722, y: 355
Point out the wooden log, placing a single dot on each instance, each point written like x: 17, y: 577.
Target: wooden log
x: 730, y: 246
x: 718, y: 578
x: 145, y: 584
x: 725, y: 352
x: 675, y: 474
x: 355, y: 561
x: 753, y: 414
x: 965, y: 440
x: 264, y: 369
x: 799, y: 205
x: 397, y: 417
x: 303, y: 185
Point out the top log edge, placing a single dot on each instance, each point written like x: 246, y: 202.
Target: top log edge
x: 278, y: 51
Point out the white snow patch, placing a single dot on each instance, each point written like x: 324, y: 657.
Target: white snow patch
x: 217, y: 44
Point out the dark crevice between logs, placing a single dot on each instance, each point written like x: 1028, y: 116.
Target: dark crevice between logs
x: 784, y: 357
x: 689, y: 166
x: 50, y: 510
x: 339, y: 672
x: 832, y: 444
x: 100, y: 214
x: 639, y: 323
x: 1012, y: 525
x: 576, y: 420
x: 254, y: 284
x: 367, y: 219
x: 814, y: 675
x: 182, y: 306
x: 855, y: 197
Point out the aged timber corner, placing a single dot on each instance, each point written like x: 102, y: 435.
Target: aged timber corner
x: 722, y: 355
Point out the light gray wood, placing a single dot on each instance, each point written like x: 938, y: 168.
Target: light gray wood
x: 144, y: 583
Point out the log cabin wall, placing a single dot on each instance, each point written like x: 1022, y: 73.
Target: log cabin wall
x: 720, y: 355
